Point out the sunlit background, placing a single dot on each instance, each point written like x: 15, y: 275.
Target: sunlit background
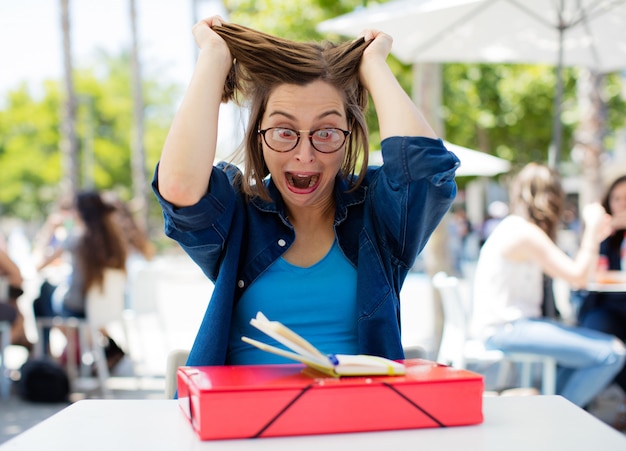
x: 502, y: 111
x: 30, y: 33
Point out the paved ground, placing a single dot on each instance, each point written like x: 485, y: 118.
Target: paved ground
x: 17, y: 415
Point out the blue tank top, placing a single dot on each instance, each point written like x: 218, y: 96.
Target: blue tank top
x: 317, y: 302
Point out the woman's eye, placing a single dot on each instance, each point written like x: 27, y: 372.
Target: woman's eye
x: 286, y: 133
x: 325, y: 135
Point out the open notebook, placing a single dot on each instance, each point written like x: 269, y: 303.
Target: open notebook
x: 331, y: 364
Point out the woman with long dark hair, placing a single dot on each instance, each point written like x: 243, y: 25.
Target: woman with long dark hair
x: 94, y: 245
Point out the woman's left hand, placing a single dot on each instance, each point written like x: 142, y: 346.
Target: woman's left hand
x: 380, y: 45
x: 397, y: 113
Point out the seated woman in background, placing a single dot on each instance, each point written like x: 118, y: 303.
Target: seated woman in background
x: 138, y: 244
x: 606, y: 312
x: 9, y: 310
x: 508, y: 286
x: 94, y: 245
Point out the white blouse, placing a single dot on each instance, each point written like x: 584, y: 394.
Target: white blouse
x: 504, y: 290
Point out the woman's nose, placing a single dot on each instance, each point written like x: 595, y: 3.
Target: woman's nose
x: 305, y: 151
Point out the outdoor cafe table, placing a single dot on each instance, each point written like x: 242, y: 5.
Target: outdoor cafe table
x: 609, y: 282
x: 537, y: 423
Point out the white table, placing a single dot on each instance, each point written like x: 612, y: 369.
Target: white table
x: 611, y: 281
x: 607, y: 287
x: 534, y: 423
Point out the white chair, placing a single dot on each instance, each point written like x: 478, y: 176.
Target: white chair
x: 103, y: 306
x: 175, y: 359
x: 458, y: 350
x: 143, y: 313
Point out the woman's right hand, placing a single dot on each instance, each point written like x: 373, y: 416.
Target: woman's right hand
x: 375, y: 55
x: 207, y: 39
x: 189, y: 151
x: 597, y: 220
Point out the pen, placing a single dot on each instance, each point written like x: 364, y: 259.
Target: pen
x: 333, y: 359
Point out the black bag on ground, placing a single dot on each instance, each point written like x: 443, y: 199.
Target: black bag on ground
x: 43, y: 380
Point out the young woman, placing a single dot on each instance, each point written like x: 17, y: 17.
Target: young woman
x: 94, y: 245
x: 606, y: 312
x: 508, y: 286
x: 307, y: 234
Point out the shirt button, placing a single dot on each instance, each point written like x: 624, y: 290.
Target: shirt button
x: 282, y: 242
x: 241, y: 283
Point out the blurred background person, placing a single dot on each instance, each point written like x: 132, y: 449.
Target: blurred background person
x: 602, y: 311
x: 49, y: 240
x: 11, y: 291
x: 508, y: 287
x: 138, y: 243
x: 459, y: 229
x: 496, y: 212
x: 140, y: 249
x: 94, y: 244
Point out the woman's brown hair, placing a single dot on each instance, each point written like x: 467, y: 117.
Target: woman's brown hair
x: 615, y: 239
x: 102, y: 245
x: 262, y: 62
x: 606, y: 200
x: 537, y: 195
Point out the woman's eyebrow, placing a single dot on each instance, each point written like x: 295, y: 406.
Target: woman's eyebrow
x: 282, y: 113
x: 292, y: 117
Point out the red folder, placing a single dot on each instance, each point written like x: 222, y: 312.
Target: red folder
x: 224, y: 402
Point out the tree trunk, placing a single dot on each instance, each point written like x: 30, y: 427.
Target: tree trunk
x: 427, y: 94
x: 138, y: 158
x: 589, y: 135
x: 69, y: 141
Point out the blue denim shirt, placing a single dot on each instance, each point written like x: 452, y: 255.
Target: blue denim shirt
x: 380, y: 227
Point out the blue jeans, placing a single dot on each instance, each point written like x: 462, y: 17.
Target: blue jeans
x: 45, y: 307
x: 606, y: 312
x: 587, y: 360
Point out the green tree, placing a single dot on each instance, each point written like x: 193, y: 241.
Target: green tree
x: 29, y: 151
x: 505, y: 110
x: 30, y: 136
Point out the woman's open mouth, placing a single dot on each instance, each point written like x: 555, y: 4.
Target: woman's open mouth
x: 302, y: 183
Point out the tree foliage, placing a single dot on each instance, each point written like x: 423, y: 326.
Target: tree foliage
x: 508, y: 109
x: 30, y: 136
x: 505, y: 110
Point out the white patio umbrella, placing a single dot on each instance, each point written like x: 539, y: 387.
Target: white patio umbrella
x: 588, y: 33
x: 473, y: 162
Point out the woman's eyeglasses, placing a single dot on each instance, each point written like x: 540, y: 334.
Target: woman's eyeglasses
x: 324, y: 140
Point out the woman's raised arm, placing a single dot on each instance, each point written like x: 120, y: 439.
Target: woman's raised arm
x: 397, y: 114
x: 189, y: 150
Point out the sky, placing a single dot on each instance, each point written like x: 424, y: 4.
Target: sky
x: 31, y: 44
x: 31, y: 40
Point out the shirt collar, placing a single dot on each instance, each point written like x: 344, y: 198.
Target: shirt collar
x: 343, y: 199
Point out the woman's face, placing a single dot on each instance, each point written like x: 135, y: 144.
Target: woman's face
x: 304, y: 176
x: 617, y: 199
